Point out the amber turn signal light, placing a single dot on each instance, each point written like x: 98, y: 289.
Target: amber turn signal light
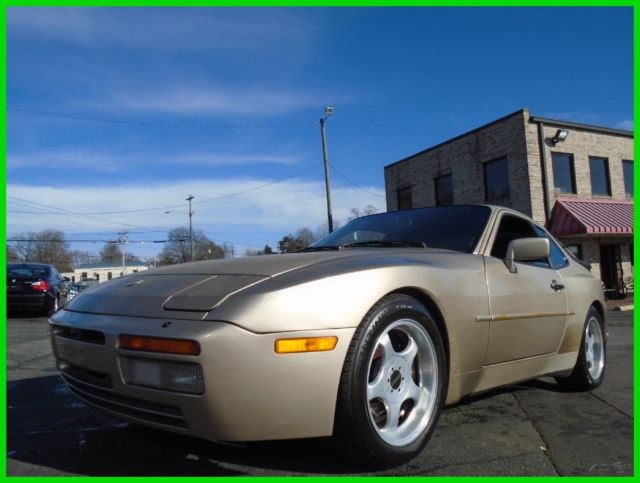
x: 158, y: 344
x: 306, y: 344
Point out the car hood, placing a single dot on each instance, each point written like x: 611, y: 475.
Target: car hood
x: 190, y: 290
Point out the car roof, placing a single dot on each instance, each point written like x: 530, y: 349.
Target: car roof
x: 28, y: 264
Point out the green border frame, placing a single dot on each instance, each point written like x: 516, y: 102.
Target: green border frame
x: 635, y: 4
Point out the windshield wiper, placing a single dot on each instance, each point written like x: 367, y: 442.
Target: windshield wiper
x: 320, y: 248
x: 383, y: 243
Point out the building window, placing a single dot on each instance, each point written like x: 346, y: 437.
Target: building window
x: 444, y: 190
x: 496, y: 179
x: 135, y: 271
x: 405, y: 201
x: 564, y: 177
x: 600, y: 184
x: 83, y: 276
x: 576, y: 250
x: 627, y: 171
x: 96, y: 276
x: 109, y: 275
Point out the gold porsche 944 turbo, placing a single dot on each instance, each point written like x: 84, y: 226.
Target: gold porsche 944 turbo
x: 365, y: 335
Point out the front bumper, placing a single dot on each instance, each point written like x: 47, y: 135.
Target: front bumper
x: 250, y: 392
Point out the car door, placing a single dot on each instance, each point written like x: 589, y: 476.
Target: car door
x: 528, y: 308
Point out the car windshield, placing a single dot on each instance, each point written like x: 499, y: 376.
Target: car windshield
x: 29, y: 272
x: 453, y: 228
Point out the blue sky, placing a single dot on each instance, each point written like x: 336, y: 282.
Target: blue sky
x: 400, y: 80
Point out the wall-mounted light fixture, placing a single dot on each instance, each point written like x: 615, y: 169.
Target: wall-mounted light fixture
x: 560, y: 136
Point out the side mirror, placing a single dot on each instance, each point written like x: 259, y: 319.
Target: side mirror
x: 524, y: 249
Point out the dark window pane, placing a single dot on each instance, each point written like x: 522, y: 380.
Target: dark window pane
x: 563, y: 175
x: 444, y: 190
x: 405, y: 201
x: 450, y: 227
x: 496, y: 179
x: 599, y: 176
x: 576, y: 250
x: 627, y: 168
x: 511, y: 228
x: 558, y: 258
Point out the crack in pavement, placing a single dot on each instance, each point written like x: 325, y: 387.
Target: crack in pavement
x: 630, y: 416
x: 481, y: 461
x: 547, y: 452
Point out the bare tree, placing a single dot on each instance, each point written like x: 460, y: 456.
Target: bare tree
x: 46, y: 246
x: 177, y: 249
x: 12, y: 254
x: 81, y: 257
x: 367, y: 210
x: 253, y: 252
x: 323, y: 230
x: 306, y: 236
x: 110, y: 252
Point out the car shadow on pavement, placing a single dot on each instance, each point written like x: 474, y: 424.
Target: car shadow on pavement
x: 49, y: 427
x: 544, y: 383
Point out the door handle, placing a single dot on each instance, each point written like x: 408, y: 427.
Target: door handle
x: 556, y: 286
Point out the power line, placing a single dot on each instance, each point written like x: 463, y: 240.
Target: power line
x: 93, y: 240
x: 255, y: 188
x: 62, y: 211
x: 333, y: 166
x: 160, y: 208
x: 157, y: 124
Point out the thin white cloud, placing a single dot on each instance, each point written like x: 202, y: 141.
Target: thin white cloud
x: 193, y: 29
x: 627, y: 125
x: 71, y: 158
x: 279, y: 208
x: 210, y: 100
x: 103, y: 161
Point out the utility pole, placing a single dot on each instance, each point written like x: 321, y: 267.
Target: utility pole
x: 122, y: 240
x: 190, y: 225
x: 328, y: 112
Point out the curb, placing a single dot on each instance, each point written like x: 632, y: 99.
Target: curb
x: 622, y: 308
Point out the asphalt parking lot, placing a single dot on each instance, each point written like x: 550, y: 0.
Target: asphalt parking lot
x: 528, y: 429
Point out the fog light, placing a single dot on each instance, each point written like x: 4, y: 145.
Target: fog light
x: 167, y: 375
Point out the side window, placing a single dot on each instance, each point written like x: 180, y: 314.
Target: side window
x: 558, y: 258
x: 511, y: 227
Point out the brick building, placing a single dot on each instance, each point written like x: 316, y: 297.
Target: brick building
x: 575, y: 179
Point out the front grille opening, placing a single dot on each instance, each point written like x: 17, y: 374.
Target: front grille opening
x: 127, y: 406
x: 90, y: 376
x: 82, y: 335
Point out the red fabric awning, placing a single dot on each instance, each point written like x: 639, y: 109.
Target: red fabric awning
x: 575, y: 216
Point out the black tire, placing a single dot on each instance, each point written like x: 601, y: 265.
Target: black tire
x: 355, y: 431
x: 53, y: 306
x: 584, y: 377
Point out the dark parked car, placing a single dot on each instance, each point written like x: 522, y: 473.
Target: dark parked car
x: 35, y: 286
